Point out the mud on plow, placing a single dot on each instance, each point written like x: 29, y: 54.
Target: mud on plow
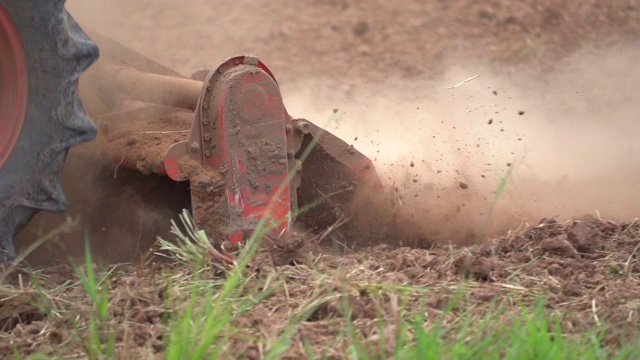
x: 225, y: 130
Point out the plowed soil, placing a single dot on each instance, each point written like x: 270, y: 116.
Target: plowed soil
x: 490, y: 177
x: 587, y: 272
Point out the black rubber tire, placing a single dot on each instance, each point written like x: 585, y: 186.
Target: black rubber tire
x: 57, y: 51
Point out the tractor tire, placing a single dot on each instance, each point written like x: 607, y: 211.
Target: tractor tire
x: 56, y: 52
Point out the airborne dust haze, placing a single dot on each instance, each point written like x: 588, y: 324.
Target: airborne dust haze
x: 565, y: 140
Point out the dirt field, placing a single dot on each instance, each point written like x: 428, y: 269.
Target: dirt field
x: 547, y: 130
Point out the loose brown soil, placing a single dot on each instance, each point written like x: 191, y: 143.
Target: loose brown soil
x: 377, y: 56
x: 587, y: 271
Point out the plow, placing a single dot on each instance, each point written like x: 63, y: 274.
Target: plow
x: 252, y: 169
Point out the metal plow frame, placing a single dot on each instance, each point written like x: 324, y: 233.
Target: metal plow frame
x: 244, y: 155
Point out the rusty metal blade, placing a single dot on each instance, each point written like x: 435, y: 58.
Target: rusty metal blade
x: 334, y: 176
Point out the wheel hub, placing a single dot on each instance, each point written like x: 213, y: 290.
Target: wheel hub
x: 13, y: 85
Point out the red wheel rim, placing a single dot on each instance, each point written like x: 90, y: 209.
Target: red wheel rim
x: 13, y: 86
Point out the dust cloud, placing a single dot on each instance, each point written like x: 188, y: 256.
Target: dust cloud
x: 117, y: 212
x: 561, y: 144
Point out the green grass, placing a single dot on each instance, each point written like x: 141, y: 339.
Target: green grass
x: 203, y: 331
x: 207, y: 325
x: 96, y: 288
x: 205, y: 318
x: 207, y: 308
